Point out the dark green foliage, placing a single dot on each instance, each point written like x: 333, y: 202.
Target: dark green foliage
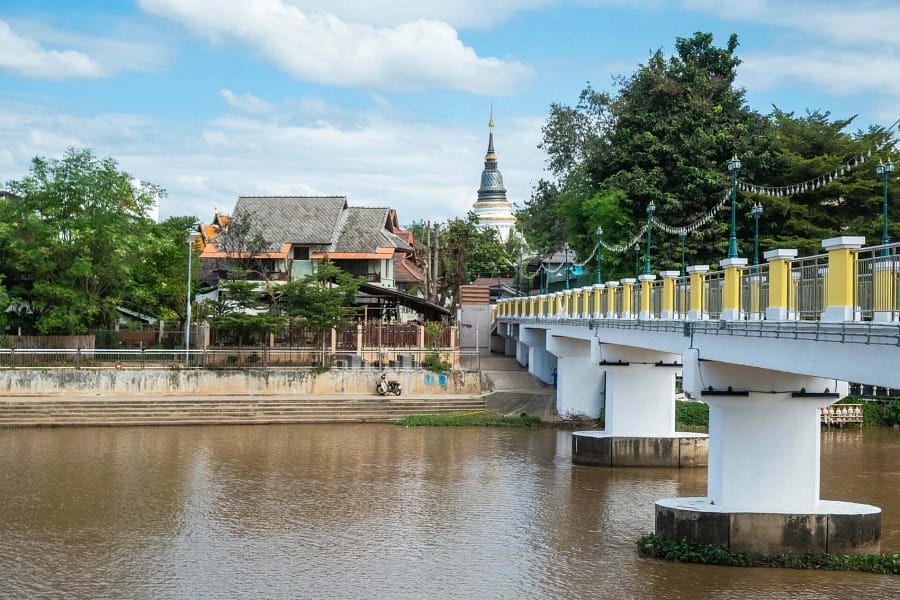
x: 481, y: 418
x: 879, y: 413
x: 691, y: 414
x: 657, y: 546
x: 77, y: 243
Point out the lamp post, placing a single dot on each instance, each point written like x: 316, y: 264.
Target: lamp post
x: 756, y: 211
x: 191, y: 238
x: 566, y: 266
x: 734, y: 167
x: 682, y: 237
x: 650, y: 208
x: 637, y: 259
x: 884, y: 171
x: 599, y: 254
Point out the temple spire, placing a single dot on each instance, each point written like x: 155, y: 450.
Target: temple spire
x: 492, y: 207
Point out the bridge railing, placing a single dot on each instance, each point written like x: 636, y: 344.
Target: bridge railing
x: 877, y: 283
x: 848, y: 283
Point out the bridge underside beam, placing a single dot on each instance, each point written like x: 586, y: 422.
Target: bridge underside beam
x: 540, y: 362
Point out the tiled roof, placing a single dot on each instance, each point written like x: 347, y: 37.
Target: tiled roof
x: 362, y: 231
x: 293, y: 219
x: 406, y: 272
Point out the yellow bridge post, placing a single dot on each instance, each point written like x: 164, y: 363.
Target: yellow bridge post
x: 697, y: 275
x: 731, y: 293
x: 840, y: 280
x: 780, y: 283
x: 646, y: 280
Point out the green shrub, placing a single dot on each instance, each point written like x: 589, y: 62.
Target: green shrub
x: 691, y: 414
x: 482, y: 418
x: 875, y: 412
x: 658, y: 546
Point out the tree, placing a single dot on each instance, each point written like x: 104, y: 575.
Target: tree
x: 322, y: 301
x: 244, y: 244
x: 666, y: 136
x: 75, y: 227
x: 811, y: 146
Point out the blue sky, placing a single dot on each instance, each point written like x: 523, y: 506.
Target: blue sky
x: 385, y: 101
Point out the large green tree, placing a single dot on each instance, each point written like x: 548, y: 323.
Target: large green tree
x: 76, y: 230
x: 665, y: 136
x: 811, y: 146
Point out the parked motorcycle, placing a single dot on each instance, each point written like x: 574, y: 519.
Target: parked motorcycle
x: 384, y: 386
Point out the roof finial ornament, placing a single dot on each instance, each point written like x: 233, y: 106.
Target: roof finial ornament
x: 491, y: 121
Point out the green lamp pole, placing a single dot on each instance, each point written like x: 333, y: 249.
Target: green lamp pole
x: 734, y: 167
x: 756, y: 211
x: 682, y: 236
x: 599, y: 254
x: 650, y: 208
x: 884, y: 171
x: 637, y: 259
x: 567, y: 265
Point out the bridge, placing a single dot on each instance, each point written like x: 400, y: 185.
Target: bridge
x: 765, y: 346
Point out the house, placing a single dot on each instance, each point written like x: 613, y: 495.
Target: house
x: 283, y: 238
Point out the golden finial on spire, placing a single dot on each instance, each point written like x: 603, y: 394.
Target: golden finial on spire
x: 491, y: 121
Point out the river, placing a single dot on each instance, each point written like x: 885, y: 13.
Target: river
x: 375, y: 511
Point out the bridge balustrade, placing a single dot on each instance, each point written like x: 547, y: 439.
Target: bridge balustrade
x: 865, y: 287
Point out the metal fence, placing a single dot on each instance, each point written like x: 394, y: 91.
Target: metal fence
x: 878, y: 284
x: 240, y: 358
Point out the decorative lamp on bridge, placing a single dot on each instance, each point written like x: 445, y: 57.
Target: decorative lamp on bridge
x: 650, y: 208
x: 734, y: 167
x: 884, y: 171
x: 566, y: 265
x: 756, y: 211
x: 599, y: 254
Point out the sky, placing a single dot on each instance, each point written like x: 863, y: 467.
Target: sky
x: 386, y: 101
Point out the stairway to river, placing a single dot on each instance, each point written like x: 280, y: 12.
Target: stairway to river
x: 512, y: 390
x: 221, y: 410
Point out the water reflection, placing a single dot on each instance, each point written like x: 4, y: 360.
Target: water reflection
x: 366, y: 511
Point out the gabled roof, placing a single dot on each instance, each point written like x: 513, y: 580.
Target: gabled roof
x: 363, y: 232
x: 406, y: 272
x: 308, y: 220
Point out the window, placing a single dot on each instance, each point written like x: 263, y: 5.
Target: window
x: 301, y: 253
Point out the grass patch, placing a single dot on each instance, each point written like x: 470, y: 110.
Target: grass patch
x: 482, y: 418
x: 657, y: 546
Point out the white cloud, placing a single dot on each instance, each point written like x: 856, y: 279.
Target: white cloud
x: 321, y: 47
x: 378, y: 158
x: 246, y: 102
x: 846, y: 22
x: 840, y: 73
x: 27, y: 57
x: 457, y: 13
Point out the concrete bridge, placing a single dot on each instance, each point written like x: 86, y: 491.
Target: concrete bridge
x: 766, y: 346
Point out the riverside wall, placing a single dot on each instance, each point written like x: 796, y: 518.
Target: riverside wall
x: 139, y: 382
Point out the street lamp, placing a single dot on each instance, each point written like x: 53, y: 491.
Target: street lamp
x: 682, y: 236
x: 756, y: 211
x: 599, y: 254
x: 637, y: 259
x: 650, y: 208
x: 567, y: 265
x: 191, y: 238
x: 884, y: 171
x: 734, y: 167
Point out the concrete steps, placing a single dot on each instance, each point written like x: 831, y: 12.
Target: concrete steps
x: 25, y: 412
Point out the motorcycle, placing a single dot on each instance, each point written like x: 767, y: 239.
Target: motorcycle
x: 384, y: 386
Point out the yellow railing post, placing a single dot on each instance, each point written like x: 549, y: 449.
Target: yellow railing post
x: 840, y: 280
x: 646, y: 280
x: 779, y: 283
x: 885, y: 301
x: 627, y: 307
x: 731, y: 292
x: 585, y: 302
x: 697, y: 275
x: 667, y: 305
x: 598, y: 301
x: 611, y: 312
x: 532, y: 300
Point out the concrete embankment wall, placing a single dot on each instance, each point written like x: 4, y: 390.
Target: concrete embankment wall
x: 127, y: 382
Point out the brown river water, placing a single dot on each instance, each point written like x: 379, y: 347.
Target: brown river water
x: 375, y: 511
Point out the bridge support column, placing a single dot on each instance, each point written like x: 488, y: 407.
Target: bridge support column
x: 579, y: 389
x: 639, y: 414
x: 510, y: 340
x: 763, y: 483
x: 540, y: 362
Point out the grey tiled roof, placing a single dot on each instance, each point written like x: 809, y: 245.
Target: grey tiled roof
x: 293, y: 219
x: 363, y: 230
